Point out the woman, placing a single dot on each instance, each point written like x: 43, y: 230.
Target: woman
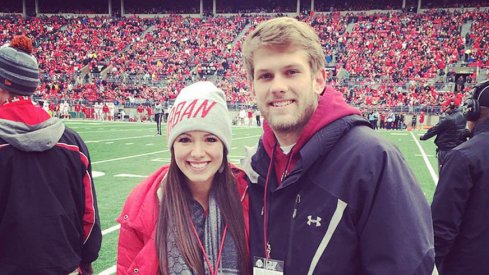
x: 189, y: 216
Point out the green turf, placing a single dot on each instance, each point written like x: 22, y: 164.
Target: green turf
x: 133, y: 148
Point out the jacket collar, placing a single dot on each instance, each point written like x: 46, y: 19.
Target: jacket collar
x: 331, y: 107
x: 482, y: 126
x: 318, y: 146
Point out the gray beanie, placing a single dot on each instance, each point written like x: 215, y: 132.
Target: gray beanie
x: 200, y: 107
x: 19, y: 71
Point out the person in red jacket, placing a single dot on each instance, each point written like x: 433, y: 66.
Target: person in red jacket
x: 105, y: 110
x: 140, y: 110
x: 49, y: 219
x: 191, y: 216
x: 149, y: 111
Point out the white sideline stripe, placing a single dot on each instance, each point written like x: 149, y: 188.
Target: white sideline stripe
x: 111, y: 229
x: 335, y: 220
x: 109, y: 271
x: 129, y: 157
x: 399, y: 134
x: 434, y: 176
x: 112, y: 139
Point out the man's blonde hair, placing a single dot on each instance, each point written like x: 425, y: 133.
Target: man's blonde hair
x: 284, y: 32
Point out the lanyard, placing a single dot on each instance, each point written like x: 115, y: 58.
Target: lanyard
x: 213, y: 271
x: 266, y: 245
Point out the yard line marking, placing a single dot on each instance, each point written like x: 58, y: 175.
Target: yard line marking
x: 426, y: 161
x: 162, y: 159
x: 255, y: 136
x: 129, y: 157
x: 398, y: 134
x: 96, y: 174
x: 129, y: 176
x: 152, y: 153
x: 111, y: 229
x: 109, y: 271
x: 109, y: 142
x: 149, y: 144
x: 112, y: 139
x: 129, y: 143
x: 112, y: 130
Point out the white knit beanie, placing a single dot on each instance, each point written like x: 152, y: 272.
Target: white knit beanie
x: 200, y: 107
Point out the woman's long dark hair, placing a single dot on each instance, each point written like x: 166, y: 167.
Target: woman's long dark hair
x: 175, y: 206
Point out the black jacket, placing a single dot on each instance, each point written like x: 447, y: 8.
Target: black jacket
x: 49, y: 220
x: 350, y: 206
x: 449, y: 131
x: 461, y: 208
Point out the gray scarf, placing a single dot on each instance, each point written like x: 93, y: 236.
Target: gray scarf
x: 210, y: 233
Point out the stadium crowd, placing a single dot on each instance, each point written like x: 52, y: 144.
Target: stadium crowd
x: 133, y: 60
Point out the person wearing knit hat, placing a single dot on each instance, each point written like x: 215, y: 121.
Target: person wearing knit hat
x: 49, y: 217
x: 200, y: 106
x: 193, y: 212
x: 19, y: 71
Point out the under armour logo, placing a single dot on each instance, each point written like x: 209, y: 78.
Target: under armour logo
x: 317, y: 221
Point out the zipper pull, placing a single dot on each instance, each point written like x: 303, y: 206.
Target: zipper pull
x: 269, y: 250
x: 297, y: 201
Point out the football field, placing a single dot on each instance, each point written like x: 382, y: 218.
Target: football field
x: 123, y: 153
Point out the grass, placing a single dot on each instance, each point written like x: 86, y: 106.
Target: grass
x: 127, y: 152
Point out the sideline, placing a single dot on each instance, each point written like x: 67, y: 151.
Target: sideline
x: 434, y: 175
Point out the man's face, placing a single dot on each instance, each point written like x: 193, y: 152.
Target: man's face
x: 285, y: 88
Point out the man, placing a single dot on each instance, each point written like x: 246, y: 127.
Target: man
x: 258, y: 117
x: 140, y: 111
x: 448, y: 131
x: 414, y: 120
x: 461, y: 201
x: 49, y: 220
x: 158, y: 116
x: 327, y: 196
x: 242, y: 117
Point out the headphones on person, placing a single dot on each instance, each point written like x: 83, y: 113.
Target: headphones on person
x: 471, y: 108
